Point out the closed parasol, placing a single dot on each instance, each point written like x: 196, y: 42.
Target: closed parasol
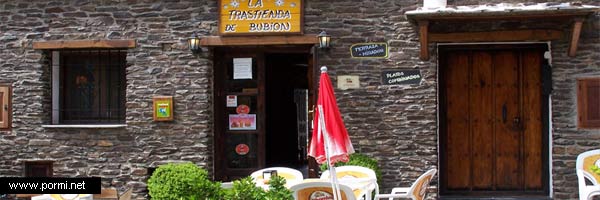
x: 330, y: 141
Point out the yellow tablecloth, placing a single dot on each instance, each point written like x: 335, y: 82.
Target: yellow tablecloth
x: 357, y: 185
x: 78, y: 197
x: 261, y: 183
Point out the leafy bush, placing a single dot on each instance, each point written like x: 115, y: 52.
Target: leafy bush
x: 362, y: 160
x: 182, y: 181
x: 595, y: 169
x: 277, y: 190
x: 244, y: 189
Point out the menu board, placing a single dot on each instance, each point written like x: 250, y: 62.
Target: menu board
x: 369, y: 50
x: 401, y: 77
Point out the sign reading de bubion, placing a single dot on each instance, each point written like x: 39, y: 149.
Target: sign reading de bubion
x: 259, y: 17
x: 369, y: 50
x: 401, y: 77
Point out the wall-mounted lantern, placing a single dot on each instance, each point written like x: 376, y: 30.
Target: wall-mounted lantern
x: 324, y: 40
x: 194, y: 44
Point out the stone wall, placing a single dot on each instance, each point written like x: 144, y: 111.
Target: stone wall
x: 397, y: 125
x: 569, y: 140
x: 394, y: 124
x: 161, y: 64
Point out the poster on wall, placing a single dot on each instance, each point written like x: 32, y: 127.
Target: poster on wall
x: 231, y: 101
x: 348, y: 82
x: 242, y: 122
x: 242, y: 68
x: 162, y: 108
x: 260, y: 17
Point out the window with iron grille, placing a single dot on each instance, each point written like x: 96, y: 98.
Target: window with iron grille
x: 91, y: 86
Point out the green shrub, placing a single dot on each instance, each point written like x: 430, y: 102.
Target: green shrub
x: 244, y: 189
x: 184, y: 181
x: 595, y: 169
x: 277, y: 190
x: 362, y: 160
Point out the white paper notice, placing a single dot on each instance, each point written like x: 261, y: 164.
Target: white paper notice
x: 242, y: 68
x: 231, y: 101
x: 348, y: 82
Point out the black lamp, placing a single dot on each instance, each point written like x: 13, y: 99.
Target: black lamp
x: 194, y: 43
x: 324, y: 40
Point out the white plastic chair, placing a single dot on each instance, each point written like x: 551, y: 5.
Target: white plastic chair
x: 306, y: 190
x: 42, y: 197
x: 418, y: 190
x: 356, y: 173
x: 70, y: 196
x: 290, y: 175
x: 586, y: 160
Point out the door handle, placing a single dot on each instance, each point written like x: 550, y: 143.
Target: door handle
x: 517, y: 120
x: 5, y: 107
x: 517, y: 124
x: 504, y: 113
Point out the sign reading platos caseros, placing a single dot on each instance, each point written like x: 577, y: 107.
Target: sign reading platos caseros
x: 259, y: 17
x: 401, y: 77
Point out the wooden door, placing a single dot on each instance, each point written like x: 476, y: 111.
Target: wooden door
x: 5, y: 107
x: 239, y: 114
x: 240, y: 148
x: 491, y: 122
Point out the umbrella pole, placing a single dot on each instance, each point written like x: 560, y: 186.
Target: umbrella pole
x: 334, y: 182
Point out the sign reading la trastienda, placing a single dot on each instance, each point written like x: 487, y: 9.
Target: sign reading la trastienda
x: 260, y: 17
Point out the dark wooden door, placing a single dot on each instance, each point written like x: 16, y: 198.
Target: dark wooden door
x: 239, y: 134
x: 5, y: 105
x: 491, y: 121
x: 241, y: 148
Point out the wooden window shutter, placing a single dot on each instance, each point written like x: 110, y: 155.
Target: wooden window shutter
x: 5, y: 107
x: 588, y: 100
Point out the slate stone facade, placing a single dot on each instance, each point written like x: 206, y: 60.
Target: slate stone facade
x: 397, y: 125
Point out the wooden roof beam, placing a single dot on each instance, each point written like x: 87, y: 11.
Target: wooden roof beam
x: 208, y: 41
x: 424, y: 39
x: 84, y: 44
x: 575, y: 36
x: 498, y: 36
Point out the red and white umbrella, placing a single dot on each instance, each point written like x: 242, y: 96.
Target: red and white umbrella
x: 330, y: 142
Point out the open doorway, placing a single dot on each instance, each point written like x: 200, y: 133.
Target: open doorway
x: 262, y: 98
x: 287, y: 85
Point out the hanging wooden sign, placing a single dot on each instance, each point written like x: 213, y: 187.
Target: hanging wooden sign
x: 260, y: 17
x: 369, y: 50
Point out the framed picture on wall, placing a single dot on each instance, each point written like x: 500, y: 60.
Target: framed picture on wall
x: 162, y: 108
